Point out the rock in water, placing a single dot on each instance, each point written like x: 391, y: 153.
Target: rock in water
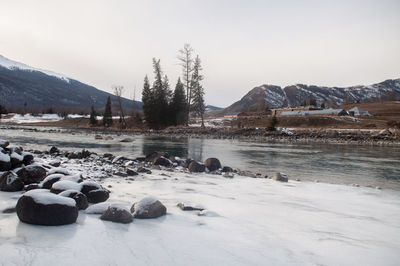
x: 117, y: 215
x: 196, y: 167
x: 212, y: 164
x: 3, y: 143
x: 54, y: 150
x: 10, y: 182
x: 148, y: 208
x: 152, y: 157
x: 227, y: 169
x: 41, y: 207
x: 32, y: 174
x: 163, y: 161
x: 80, y: 198
x: 280, y: 177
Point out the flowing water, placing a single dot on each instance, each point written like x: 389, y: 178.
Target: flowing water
x: 332, y: 163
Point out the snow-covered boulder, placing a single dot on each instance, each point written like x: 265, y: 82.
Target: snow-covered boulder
x: 148, y: 207
x: 41, y: 207
x: 100, y: 208
x: 117, y: 215
x: 280, y: 177
x: 97, y: 195
x: 10, y: 182
x: 212, y: 164
x: 16, y: 160
x: 5, y: 161
x: 59, y: 170
x: 196, y: 167
x: 79, y: 197
x: 63, y: 185
x: 32, y: 186
x: 50, y: 180
x: 32, y: 174
x: 89, y: 186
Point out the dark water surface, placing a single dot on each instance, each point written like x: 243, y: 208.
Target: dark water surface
x: 332, y: 163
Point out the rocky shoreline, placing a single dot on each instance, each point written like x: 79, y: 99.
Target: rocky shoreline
x: 384, y: 137
x: 54, y: 194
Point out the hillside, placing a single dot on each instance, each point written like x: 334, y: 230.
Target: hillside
x: 292, y: 96
x: 20, y: 84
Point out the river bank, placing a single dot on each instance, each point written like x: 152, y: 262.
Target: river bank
x: 370, y: 137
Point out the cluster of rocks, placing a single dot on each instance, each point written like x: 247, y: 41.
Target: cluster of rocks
x: 53, y: 196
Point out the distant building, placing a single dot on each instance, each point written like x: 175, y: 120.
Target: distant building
x: 357, y: 111
x: 324, y: 112
x: 235, y: 114
x: 279, y: 111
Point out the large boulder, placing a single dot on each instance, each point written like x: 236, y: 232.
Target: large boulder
x: 10, y: 182
x: 117, y: 215
x: 50, y: 180
x: 5, y: 161
x: 147, y: 208
x: 88, y: 186
x: 64, y: 185
x: 80, y: 198
x: 196, y: 167
x: 280, y: 177
x: 32, y: 174
x: 163, y: 161
x: 41, y: 207
x: 98, y: 195
x: 212, y: 164
x: 16, y: 160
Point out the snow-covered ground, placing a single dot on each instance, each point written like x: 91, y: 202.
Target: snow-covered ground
x: 29, y: 118
x: 248, y: 222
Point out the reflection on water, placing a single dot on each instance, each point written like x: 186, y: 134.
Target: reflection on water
x: 375, y: 166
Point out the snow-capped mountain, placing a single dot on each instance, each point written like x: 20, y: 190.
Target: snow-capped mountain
x: 292, y: 96
x: 20, y: 84
x: 12, y: 65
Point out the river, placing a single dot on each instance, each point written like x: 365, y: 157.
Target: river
x: 331, y: 163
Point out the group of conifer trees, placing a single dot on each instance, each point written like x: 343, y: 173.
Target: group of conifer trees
x: 163, y: 107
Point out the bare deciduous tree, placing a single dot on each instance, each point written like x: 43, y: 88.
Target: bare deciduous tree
x: 118, y: 93
x: 186, y: 61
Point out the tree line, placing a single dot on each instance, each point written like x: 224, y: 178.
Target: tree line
x: 163, y: 107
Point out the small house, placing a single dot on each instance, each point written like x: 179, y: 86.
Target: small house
x: 235, y: 114
x: 357, y: 111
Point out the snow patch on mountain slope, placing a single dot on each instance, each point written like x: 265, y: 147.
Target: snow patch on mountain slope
x: 10, y: 64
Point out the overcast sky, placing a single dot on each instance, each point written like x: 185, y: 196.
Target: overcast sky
x: 242, y: 44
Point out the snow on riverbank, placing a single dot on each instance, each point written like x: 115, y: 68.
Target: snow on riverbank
x: 254, y: 222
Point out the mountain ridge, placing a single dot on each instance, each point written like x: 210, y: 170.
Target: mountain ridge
x: 273, y: 96
x: 20, y: 84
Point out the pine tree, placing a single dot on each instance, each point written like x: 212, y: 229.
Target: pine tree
x: 107, y: 118
x: 93, y: 120
x: 197, y: 90
x: 148, y: 102
x: 160, y: 97
x: 178, y: 105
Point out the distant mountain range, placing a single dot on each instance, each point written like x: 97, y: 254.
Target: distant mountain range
x: 213, y: 108
x: 292, y: 96
x: 20, y: 84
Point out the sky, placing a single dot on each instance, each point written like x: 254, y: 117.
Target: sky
x: 242, y: 43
